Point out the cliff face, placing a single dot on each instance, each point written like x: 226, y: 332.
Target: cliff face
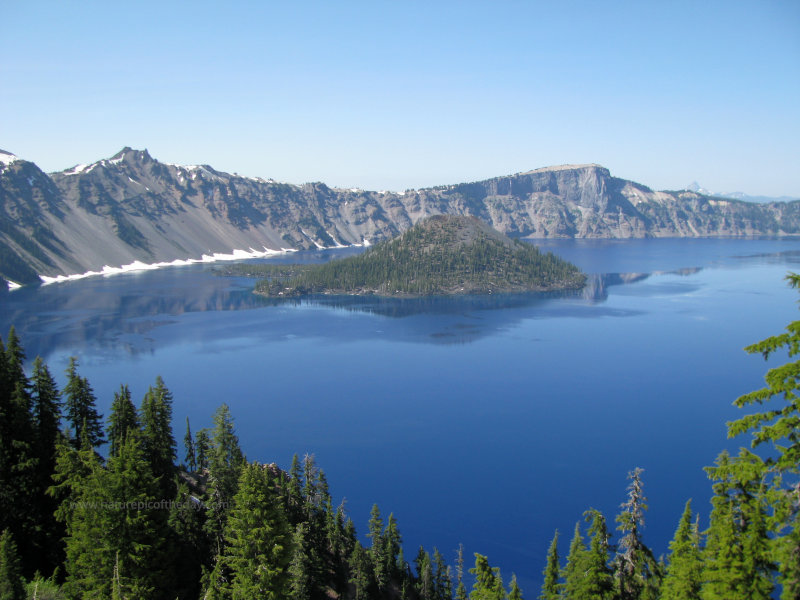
x: 132, y: 207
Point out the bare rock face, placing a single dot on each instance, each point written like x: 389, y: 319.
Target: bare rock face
x: 132, y: 207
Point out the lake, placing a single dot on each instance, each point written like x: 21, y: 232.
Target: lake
x: 487, y: 421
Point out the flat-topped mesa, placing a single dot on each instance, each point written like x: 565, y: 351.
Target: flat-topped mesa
x: 442, y: 255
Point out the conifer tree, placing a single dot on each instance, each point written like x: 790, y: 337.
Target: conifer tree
x: 597, y: 583
x: 392, y: 549
x: 361, y: 572
x: 20, y: 472
x: 46, y: 411
x: 551, y: 589
x: 301, y: 584
x: 635, y: 568
x: 575, y: 568
x: 461, y: 590
x: 81, y: 408
x: 158, y: 441
x: 442, y: 584
x: 488, y: 583
x: 425, y: 584
x: 12, y: 586
x: 188, y: 446
x: 225, y: 462
x: 684, y: 571
x: 123, y: 420
x: 514, y: 591
x: 260, y: 545
x: 378, y: 549
x: 202, y: 446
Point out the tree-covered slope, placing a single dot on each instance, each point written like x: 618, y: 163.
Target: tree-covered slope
x: 441, y: 255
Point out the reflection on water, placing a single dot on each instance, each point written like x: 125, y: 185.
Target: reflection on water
x: 125, y: 313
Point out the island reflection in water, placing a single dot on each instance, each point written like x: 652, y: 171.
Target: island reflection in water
x: 125, y: 313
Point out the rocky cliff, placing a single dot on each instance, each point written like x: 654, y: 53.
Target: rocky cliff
x: 132, y: 207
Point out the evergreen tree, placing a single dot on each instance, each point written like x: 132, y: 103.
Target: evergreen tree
x: 202, y: 446
x: 46, y: 411
x: 378, y: 549
x: 488, y: 583
x: 225, y: 462
x: 361, y: 573
x: 81, y: 408
x: 778, y: 428
x: 461, y: 590
x: 20, y: 470
x: 574, y: 570
x: 425, y: 584
x: 442, y: 584
x: 551, y: 589
x: 123, y: 420
x: 392, y: 549
x: 684, y: 572
x: 635, y: 567
x: 157, y: 439
x: 12, y: 586
x: 301, y: 584
x: 597, y: 583
x: 514, y: 592
x: 260, y: 546
x: 188, y: 545
x: 188, y: 445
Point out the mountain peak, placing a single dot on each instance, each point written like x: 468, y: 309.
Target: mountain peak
x: 130, y: 154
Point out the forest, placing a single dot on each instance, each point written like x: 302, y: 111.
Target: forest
x: 444, y: 254
x: 94, y: 507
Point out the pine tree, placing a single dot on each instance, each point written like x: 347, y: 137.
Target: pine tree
x: 551, y: 589
x: 598, y: 582
x: 425, y: 583
x: 377, y: 550
x: 488, y: 583
x: 158, y: 441
x: 301, y: 584
x: 81, y: 408
x: 575, y: 568
x: 202, y: 446
x: 635, y: 567
x: 514, y: 592
x: 12, y: 585
x: 225, y: 462
x: 442, y: 584
x: 46, y: 411
x: 361, y: 572
x: 684, y: 572
x: 20, y: 471
x: 188, y: 445
x: 259, y: 538
x: 461, y: 590
x: 123, y: 420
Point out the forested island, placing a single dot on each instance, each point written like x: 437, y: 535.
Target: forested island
x: 441, y: 255
x: 103, y: 508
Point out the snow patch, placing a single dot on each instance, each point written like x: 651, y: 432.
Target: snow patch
x: 140, y: 266
x: 6, y: 158
x: 116, y: 161
x: 76, y: 170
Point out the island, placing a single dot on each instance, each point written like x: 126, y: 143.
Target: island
x: 440, y: 255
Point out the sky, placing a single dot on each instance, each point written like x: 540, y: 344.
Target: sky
x: 397, y: 95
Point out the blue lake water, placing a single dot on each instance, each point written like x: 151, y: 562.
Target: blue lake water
x: 484, y: 421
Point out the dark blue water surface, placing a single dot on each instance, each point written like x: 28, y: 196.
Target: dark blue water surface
x: 485, y: 421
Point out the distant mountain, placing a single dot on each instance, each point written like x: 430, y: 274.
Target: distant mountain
x: 132, y: 207
x: 695, y: 187
x: 440, y: 255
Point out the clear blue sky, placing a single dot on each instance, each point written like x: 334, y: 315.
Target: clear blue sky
x: 392, y: 95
